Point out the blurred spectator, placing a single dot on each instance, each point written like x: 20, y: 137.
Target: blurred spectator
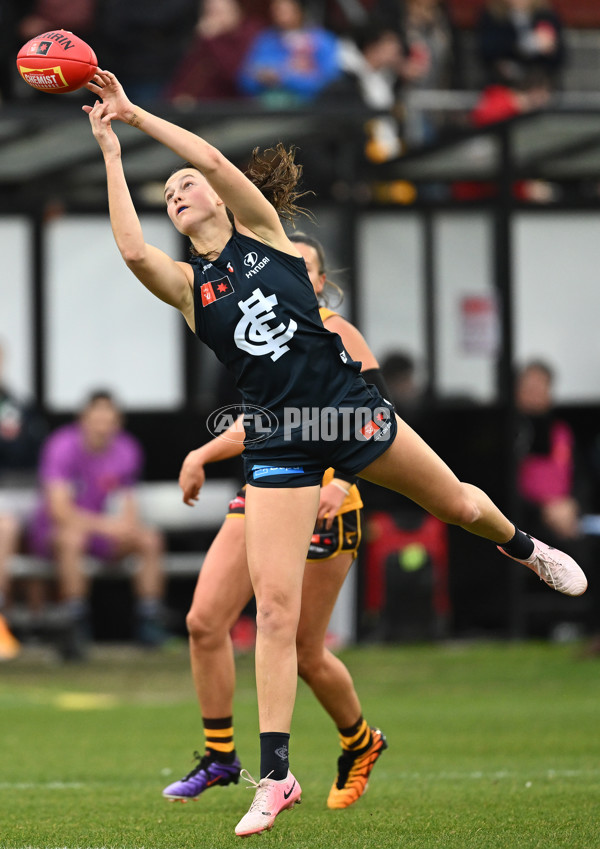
x: 141, y: 41
x: 550, y: 489
x: 10, y: 44
x: 370, y: 63
x: 292, y: 61
x: 344, y: 17
x: 9, y: 540
x: 209, y: 69
x: 400, y: 373
x: 83, y: 466
x: 21, y: 433
x: 45, y: 15
x: 431, y: 55
x: 500, y: 102
x: 516, y: 36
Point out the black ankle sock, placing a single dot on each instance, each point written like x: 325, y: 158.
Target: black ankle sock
x: 520, y: 546
x: 274, y: 755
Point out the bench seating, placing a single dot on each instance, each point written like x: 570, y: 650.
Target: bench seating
x: 160, y: 506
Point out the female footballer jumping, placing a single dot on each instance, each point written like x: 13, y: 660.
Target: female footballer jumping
x: 247, y: 295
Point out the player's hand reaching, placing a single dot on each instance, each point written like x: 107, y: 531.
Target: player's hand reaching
x: 331, y: 499
x: 192, y: 477
x: 102, y: 129
x: 117, y: 105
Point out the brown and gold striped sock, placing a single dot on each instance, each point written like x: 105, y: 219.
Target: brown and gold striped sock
x: 218, y: 736
x: 357, y: 738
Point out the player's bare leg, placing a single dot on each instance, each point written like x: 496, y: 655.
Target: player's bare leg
x: 411, y: 467
x: 279, y: 526
x: 324, y: 673
x: 332, y: 683
x: 222, y: 591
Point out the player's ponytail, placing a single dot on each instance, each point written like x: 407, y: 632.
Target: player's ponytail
x: 276, y: 173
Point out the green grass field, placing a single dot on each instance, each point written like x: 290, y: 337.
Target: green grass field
x: 490, y: 746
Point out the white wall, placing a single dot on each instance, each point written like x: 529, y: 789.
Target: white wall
x: 104, y: 328
x: 391, y: 305
x: 557, y: 298
x: 556, y: 267
x: 16, y: 325
x: 464, y: 269
x: 392, y: 296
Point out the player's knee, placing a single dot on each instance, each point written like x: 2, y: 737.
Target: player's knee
x: 309, y: 658
x: 203, y: 629
x: 462, y: 511
x: 276, y: 616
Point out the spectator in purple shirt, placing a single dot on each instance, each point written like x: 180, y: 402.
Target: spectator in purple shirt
x: 83, y: 466
x: 290, y: 62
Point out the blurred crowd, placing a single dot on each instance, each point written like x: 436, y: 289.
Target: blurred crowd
x: 278, y: 54
x: 286, y: 53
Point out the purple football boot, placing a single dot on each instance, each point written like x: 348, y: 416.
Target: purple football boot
x: 208, y: 772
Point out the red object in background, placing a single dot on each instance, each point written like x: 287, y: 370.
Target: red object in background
x: 243, y: 634
x: 384, y: 537
x: 497, y: 103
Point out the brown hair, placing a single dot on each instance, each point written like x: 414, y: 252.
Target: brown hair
x: 276, y: 173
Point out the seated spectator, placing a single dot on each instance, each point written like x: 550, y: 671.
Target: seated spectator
x: 83, y: 466
x: 10, y: 44
x: 290, y: 62
x: 407, y: 395
x: 21, y: 433
x: 9, y: 540
x: 369, y: 64
x: 210, y: 67
x: 547, y: 481
x: 431, y: 56
x: 500, y: 102
x: 518, y: 36
x: 45, y: 15
x: 141, y: 41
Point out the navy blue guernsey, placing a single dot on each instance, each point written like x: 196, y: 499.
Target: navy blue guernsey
x: 256, y: 308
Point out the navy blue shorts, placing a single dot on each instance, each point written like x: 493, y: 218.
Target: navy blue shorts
x: 348, y: 437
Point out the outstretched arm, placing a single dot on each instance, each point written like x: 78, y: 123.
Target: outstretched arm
x: 238, y: 193
x: 169, y: 280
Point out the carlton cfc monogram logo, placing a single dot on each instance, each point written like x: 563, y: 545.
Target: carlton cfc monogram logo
x: 253, y: 334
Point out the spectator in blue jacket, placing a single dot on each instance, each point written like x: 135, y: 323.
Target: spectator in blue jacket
x: 291, y: 61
